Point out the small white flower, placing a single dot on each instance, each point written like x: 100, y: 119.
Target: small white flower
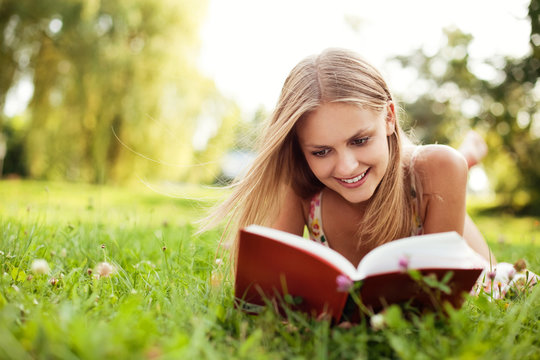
x: 40, y: 266
x: 105, y: 269
x: 219, y: 261
x: 63, y: 252
x: 377, y: 322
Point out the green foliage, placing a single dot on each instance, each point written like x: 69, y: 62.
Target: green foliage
x: 169, y: 298
x: 207, y: 168
x: 14, y: 133
x: 503, y: 107
x: 117, y: 93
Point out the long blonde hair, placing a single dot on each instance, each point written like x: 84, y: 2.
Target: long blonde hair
x: 336, y: 75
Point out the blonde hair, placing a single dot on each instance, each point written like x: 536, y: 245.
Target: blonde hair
x: 336, y: 75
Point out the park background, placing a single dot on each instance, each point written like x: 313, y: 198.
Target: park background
x: 115, y: 92
x: 119, y: 118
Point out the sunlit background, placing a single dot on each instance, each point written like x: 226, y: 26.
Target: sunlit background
x: 248, y: 47
x: 116, y: 92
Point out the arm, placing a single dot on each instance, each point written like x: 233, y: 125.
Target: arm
x: 476, y: 240
x: 444, y: 179
x: 291, y: 214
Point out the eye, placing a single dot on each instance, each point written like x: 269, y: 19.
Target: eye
x: 321, y: 153
x: 360, y: 141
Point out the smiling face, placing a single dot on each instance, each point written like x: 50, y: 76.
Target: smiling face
x: 346, y: 147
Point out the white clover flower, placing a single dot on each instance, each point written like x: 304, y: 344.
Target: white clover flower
x: 40, y: 266
x: 377, y: 322
x: 105, y: 269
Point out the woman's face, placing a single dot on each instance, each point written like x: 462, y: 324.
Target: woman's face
x: 346, y: 147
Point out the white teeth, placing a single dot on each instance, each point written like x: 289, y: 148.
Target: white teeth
x: 354, y: 179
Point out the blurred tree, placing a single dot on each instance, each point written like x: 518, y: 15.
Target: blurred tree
x: 498, y: 97
x: 116, y: 90
x: 14, y: 136
x: 515, y: 117
x: 207, y: 165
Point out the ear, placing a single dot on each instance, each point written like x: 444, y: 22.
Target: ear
x: 390, y: 119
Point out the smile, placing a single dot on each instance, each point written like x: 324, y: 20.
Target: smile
x: 354, y: 179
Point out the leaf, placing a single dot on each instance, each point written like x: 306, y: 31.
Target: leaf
x: 394, y: 317
x: 14, y: 273
x: 431, y: 281
x: 293, y: 300
x: 18, y: 275
x: 447, y: 277
x: 444, y: 288
x: 288, y: 299
x: 415, y: 274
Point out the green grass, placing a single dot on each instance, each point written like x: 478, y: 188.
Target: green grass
x: 164, y: 303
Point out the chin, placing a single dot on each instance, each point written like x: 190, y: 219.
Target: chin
x: 357, y: 198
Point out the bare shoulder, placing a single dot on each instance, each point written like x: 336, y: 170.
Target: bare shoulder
x: 440, y: 168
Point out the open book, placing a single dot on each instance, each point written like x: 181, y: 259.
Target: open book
x: 275, y: 265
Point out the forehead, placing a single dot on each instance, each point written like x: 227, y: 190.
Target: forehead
x: 333, y: 122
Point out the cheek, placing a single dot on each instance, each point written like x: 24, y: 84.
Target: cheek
x: 319, y: 167
x: 382, y: 153
x: 385, y: 154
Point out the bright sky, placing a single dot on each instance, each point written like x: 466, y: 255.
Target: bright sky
x: 249, y: 46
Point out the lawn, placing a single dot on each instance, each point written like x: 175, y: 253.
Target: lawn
x: 168, y: 296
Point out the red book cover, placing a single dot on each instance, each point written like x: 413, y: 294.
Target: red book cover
x: 274, y: 266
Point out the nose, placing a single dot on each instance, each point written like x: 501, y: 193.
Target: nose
x: 347, y: 164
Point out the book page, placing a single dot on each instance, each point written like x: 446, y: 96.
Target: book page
x: 434, y: 251
x: 318, y: 250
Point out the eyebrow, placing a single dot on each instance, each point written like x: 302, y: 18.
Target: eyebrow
x: 358, y: 134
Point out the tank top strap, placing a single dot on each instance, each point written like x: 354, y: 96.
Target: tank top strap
x: 314, y: 224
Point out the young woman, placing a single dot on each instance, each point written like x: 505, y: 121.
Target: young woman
x: 334, y: 158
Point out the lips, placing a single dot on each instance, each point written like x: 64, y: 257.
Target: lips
x: 354, y: 180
